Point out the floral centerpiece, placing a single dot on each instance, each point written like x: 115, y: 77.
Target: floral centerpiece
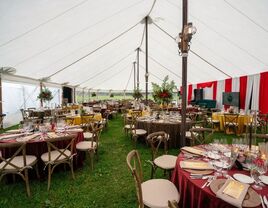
x: 45, y: 95
x: 163, y: 94
x: 137, y: 94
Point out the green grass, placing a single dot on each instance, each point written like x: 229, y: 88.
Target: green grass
x: 110, y: 184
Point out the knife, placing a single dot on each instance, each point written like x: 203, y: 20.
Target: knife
x: 265, y: 201
x: 262, y: 203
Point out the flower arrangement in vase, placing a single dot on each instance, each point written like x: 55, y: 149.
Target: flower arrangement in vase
x: 163, y: 94
x: 137, y: 94
x: 45, y: 95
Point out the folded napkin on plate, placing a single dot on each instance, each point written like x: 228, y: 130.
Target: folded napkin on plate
x: 75, y: 130
x: 27, y: 138
x: 233, y: 192
x: 52, y: 135
x: 73, y: 126
x: 195, y: 165
x: 193, y: 150
x: 10, y: 136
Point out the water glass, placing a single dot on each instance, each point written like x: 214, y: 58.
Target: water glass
x: 254, y: 173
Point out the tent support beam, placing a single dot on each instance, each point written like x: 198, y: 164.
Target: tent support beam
x: 134, y: 67
x: 184, y: 50
x: 138, y: 68
x: 41, y: 89
x: 146, y: 60
x: 1, y: 104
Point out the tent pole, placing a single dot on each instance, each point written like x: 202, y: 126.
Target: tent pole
x: 184, y: 72
x: 146, y: 59
x: 41, y: 89
x: 134, y: 66
x: 138, y: 68
x: 1, y: 104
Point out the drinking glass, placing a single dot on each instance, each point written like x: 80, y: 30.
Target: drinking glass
x: 254, y: 173
x: 216, y: 166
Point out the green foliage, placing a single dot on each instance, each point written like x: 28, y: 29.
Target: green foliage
x: 163, y: 94
x: 93, y: 94
x: 137, y: 94
x: 111, y: 95
x: 45, y: 95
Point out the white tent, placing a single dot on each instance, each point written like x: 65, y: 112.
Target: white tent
x: 92, y: 44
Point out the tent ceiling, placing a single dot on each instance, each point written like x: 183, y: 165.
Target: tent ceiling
x: 92, y: 43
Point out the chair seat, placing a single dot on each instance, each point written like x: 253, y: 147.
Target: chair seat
x: 215, y: 121
x: 128, y: 126
x: 55, y: 154
x: 188, y: 134
x: 166, y: 161
x: 88, y: 135
x: 86, y: 145
x: 139, y: 132
x: 18, y: 161
x: 157, y: 192
x: 231, y: 124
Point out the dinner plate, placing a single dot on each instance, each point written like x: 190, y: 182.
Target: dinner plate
x: 251, y: 199
x: 243, y: 178
x: 264, y: 179
x: 213, y: 155
x: 220, y: 164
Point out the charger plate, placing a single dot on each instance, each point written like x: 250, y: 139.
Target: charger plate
x: 252, y: 199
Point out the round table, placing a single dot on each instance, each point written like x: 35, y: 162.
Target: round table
x: 191, y: 193
x: 172, y: 128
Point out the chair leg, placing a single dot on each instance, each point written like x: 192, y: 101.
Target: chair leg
x: 91, y: 157
x: 26, y: 178
x: 37, y: 171
x: 72, y: 169
x: 49, y: 177
x: 152, y: 172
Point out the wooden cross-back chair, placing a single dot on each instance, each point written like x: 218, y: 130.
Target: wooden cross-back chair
x: 136, y: 113
x: 148, y: 191
x: 91, y: 146
x: 18, y: 163
x: 230, y: 122
x: 163, y: 161
x: 200, y: 135
x: 58, y: 155
x: 89, y: 123
x: 134, y: 131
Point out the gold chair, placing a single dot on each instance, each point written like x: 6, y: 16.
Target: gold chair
x: 173, y: 204
x: 127, y: 124
x: 230, y: 122
x: 91, y: 146
x: 18, y: 163
x: 153, y: 192
x: 164, y: 161
x: 56, y: 156
x: 201, y: 135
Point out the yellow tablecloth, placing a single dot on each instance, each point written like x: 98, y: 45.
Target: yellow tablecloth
x: 77, y: 119
x: 144, y: 113
x: 242, y: 120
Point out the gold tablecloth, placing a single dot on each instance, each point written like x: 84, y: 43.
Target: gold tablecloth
x: 77, y: 119
x: 242, y: 120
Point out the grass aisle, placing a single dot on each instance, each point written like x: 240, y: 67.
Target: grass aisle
x: 110, y: 184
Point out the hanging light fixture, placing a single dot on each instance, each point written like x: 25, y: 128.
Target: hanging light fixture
x: 184, y: 39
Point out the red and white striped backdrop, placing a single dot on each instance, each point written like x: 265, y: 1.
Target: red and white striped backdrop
x: 252, y: 88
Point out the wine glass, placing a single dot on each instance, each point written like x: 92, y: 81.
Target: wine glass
x: 262, y: 168
x: 254, y: 173
x: 217, y: 166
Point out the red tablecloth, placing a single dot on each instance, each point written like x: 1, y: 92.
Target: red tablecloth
x: 191, y: 193
x: 38, y: 147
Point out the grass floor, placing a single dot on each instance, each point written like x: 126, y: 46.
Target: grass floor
x: 110, y: 184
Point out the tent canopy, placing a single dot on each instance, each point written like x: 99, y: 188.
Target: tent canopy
x: 92, y: 44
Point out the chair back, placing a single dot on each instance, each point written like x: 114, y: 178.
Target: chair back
x: 134, y: 165
x: 9, y: 165
x: 155, y: 140
x: 136, y: 113
x: 230, y: 119
x: 201, y: 135
x: 96, y: 132
x: 88, y: 122
x: 66, y: 145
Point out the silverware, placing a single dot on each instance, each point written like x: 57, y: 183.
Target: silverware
x: 211, y: 179
x: 262, y: 203
x: 265, y: 201
x: 208, y: 181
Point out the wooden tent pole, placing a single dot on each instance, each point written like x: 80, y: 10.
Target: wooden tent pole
x: 184, y: 50
x: 138, y: 68
x: 146, y: 60
x: 134, y: 67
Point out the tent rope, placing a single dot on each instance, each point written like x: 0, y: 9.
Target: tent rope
x: 90, y: 53
x: 129, y: 77
x: 106, y: 69
x: 203, y: 59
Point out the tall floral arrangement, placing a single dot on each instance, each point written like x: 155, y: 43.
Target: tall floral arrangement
x: 45, y: 95
x: 163, y: 94
x: 137, y: 94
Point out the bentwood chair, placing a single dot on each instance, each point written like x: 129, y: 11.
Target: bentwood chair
x: 153, y: 192
x: 230, y: 122
x: 134, y: 131
x: 18, y: 163
x: 163, y: 161
x: 201, y: 136
x: 173, y: 204
x: 56, y: 156
x: 91, y: 146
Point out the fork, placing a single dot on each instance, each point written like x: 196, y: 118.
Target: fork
x: 207, y: 182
